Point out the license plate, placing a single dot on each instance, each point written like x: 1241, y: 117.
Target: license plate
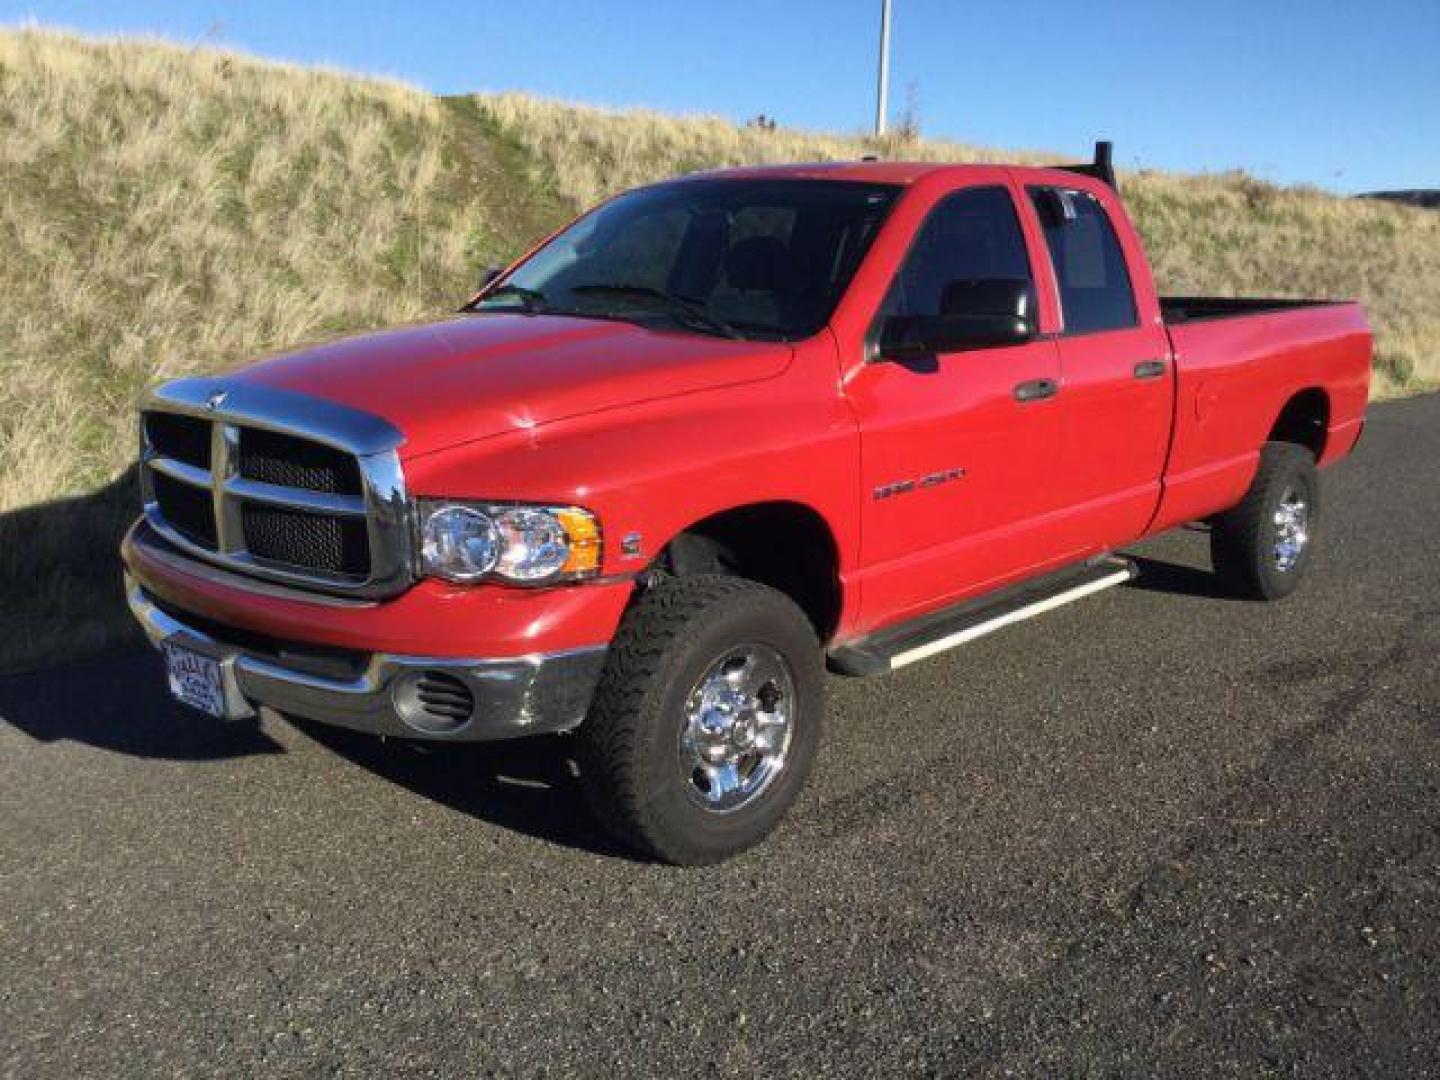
x: 195, y: 680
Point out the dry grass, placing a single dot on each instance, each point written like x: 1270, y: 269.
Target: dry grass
x: 585, y: 153
x: 167, y: 210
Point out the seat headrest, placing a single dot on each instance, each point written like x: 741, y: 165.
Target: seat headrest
x: 992, y: 296
x: 759, y: 264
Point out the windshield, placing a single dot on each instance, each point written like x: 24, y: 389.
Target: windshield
x: 755, y: 259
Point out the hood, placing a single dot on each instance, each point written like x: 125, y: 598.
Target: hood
x: 472, y: 376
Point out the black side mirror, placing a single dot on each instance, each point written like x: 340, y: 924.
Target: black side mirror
x: 976, y: 314
x: 487, y: 278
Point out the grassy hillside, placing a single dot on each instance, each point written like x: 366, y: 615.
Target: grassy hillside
x: 166, y: 210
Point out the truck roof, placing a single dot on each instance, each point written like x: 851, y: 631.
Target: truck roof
x: 908, y: 172
x: 875, y: 172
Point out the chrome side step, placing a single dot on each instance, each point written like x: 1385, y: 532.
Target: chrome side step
x: 897, y: 647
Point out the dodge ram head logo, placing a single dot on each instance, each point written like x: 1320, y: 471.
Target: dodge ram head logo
x: 215, y: 400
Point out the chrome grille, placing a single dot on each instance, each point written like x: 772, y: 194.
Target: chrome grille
x: 283, y: 460
x: 188, y: 508
x: 183, y: 438
x: 316, y: 541
x: 277, y: 485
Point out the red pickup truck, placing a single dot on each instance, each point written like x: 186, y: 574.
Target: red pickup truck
x: 716, y: 434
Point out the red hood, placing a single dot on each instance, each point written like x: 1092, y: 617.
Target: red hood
x: 471, y: 376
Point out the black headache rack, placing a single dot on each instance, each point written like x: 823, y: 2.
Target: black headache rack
x: 1099, y: 169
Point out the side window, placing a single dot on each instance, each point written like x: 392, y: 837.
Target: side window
x: 1095, y: 291
x: 970, y: 236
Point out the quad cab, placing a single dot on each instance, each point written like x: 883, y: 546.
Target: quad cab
x: 716, y: 435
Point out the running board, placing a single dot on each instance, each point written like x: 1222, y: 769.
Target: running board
x: 894, y: 648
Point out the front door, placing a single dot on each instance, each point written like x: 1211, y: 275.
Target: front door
x: 958, y: 450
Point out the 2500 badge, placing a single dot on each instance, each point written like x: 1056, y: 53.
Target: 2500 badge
x: 929, y: 480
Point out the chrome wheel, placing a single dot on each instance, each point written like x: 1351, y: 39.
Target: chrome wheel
x: 738, y: 724
x: 1292, y: 529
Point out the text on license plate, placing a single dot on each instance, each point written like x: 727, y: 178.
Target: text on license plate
x: 195, y: 679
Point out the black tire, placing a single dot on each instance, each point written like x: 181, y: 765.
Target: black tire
x: 629, y: 748
x: 1243, y: 541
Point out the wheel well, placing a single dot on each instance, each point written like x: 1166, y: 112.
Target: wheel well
x: 785, y: 545
x: 1304, y: 421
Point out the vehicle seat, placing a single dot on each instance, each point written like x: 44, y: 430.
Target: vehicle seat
x: 759, y: 279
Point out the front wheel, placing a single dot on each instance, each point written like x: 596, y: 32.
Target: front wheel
x: 1261, y: 548
x: 706, y: 721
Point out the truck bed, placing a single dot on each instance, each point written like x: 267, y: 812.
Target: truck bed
x: 1237, y: 363
x: 1183, y: 309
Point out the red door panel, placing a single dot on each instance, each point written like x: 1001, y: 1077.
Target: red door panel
x: 1116, y: 406
x: 958, y: 473
x: 955, y: 473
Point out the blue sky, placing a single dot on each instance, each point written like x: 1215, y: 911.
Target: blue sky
x: 1338, y: 93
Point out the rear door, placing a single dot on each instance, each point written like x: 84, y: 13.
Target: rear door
x: 1116, y: 372
x: 958, y: 468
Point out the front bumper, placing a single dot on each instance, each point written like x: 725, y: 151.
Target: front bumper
x: 512, y: 697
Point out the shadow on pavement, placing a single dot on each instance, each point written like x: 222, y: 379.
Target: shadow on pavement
x: 123, y: 705
x: 524, y: 786
x: 1157, y: 575
x: 60, y: 594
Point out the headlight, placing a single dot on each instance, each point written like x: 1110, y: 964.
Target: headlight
x: 527, y: 545
x: 459, y: 544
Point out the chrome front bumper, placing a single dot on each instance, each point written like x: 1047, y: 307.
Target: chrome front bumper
x: 529, y: 695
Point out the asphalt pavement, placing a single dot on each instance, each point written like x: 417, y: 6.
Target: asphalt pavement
x: 1155, y: 833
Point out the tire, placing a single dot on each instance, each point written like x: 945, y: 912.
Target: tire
x: 642, y: 749
x: 1261, y: 548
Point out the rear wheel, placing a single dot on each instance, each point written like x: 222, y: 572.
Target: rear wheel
x: 706, y: 720
x: 1262, y: 547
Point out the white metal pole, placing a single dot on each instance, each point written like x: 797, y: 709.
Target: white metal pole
x: 882, y: 91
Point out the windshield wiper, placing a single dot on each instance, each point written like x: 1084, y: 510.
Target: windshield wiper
x: 532, y: 300
x: 692, y: 310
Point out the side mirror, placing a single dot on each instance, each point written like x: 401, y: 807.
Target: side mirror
x: 487, y: 278
x: 976, y: 314
x: 488, y: 275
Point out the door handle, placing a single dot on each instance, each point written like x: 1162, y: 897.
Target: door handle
x: 1036, y: 390
x: 1150, y: 369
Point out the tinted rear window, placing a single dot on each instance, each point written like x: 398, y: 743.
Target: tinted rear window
x: 1095, y: 290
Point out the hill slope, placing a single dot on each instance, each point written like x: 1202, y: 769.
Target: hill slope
x: 168, y: 210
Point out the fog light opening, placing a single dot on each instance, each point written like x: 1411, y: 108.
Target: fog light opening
x: 434, y: 702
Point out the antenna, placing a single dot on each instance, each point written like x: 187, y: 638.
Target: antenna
x: 882, y: 89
